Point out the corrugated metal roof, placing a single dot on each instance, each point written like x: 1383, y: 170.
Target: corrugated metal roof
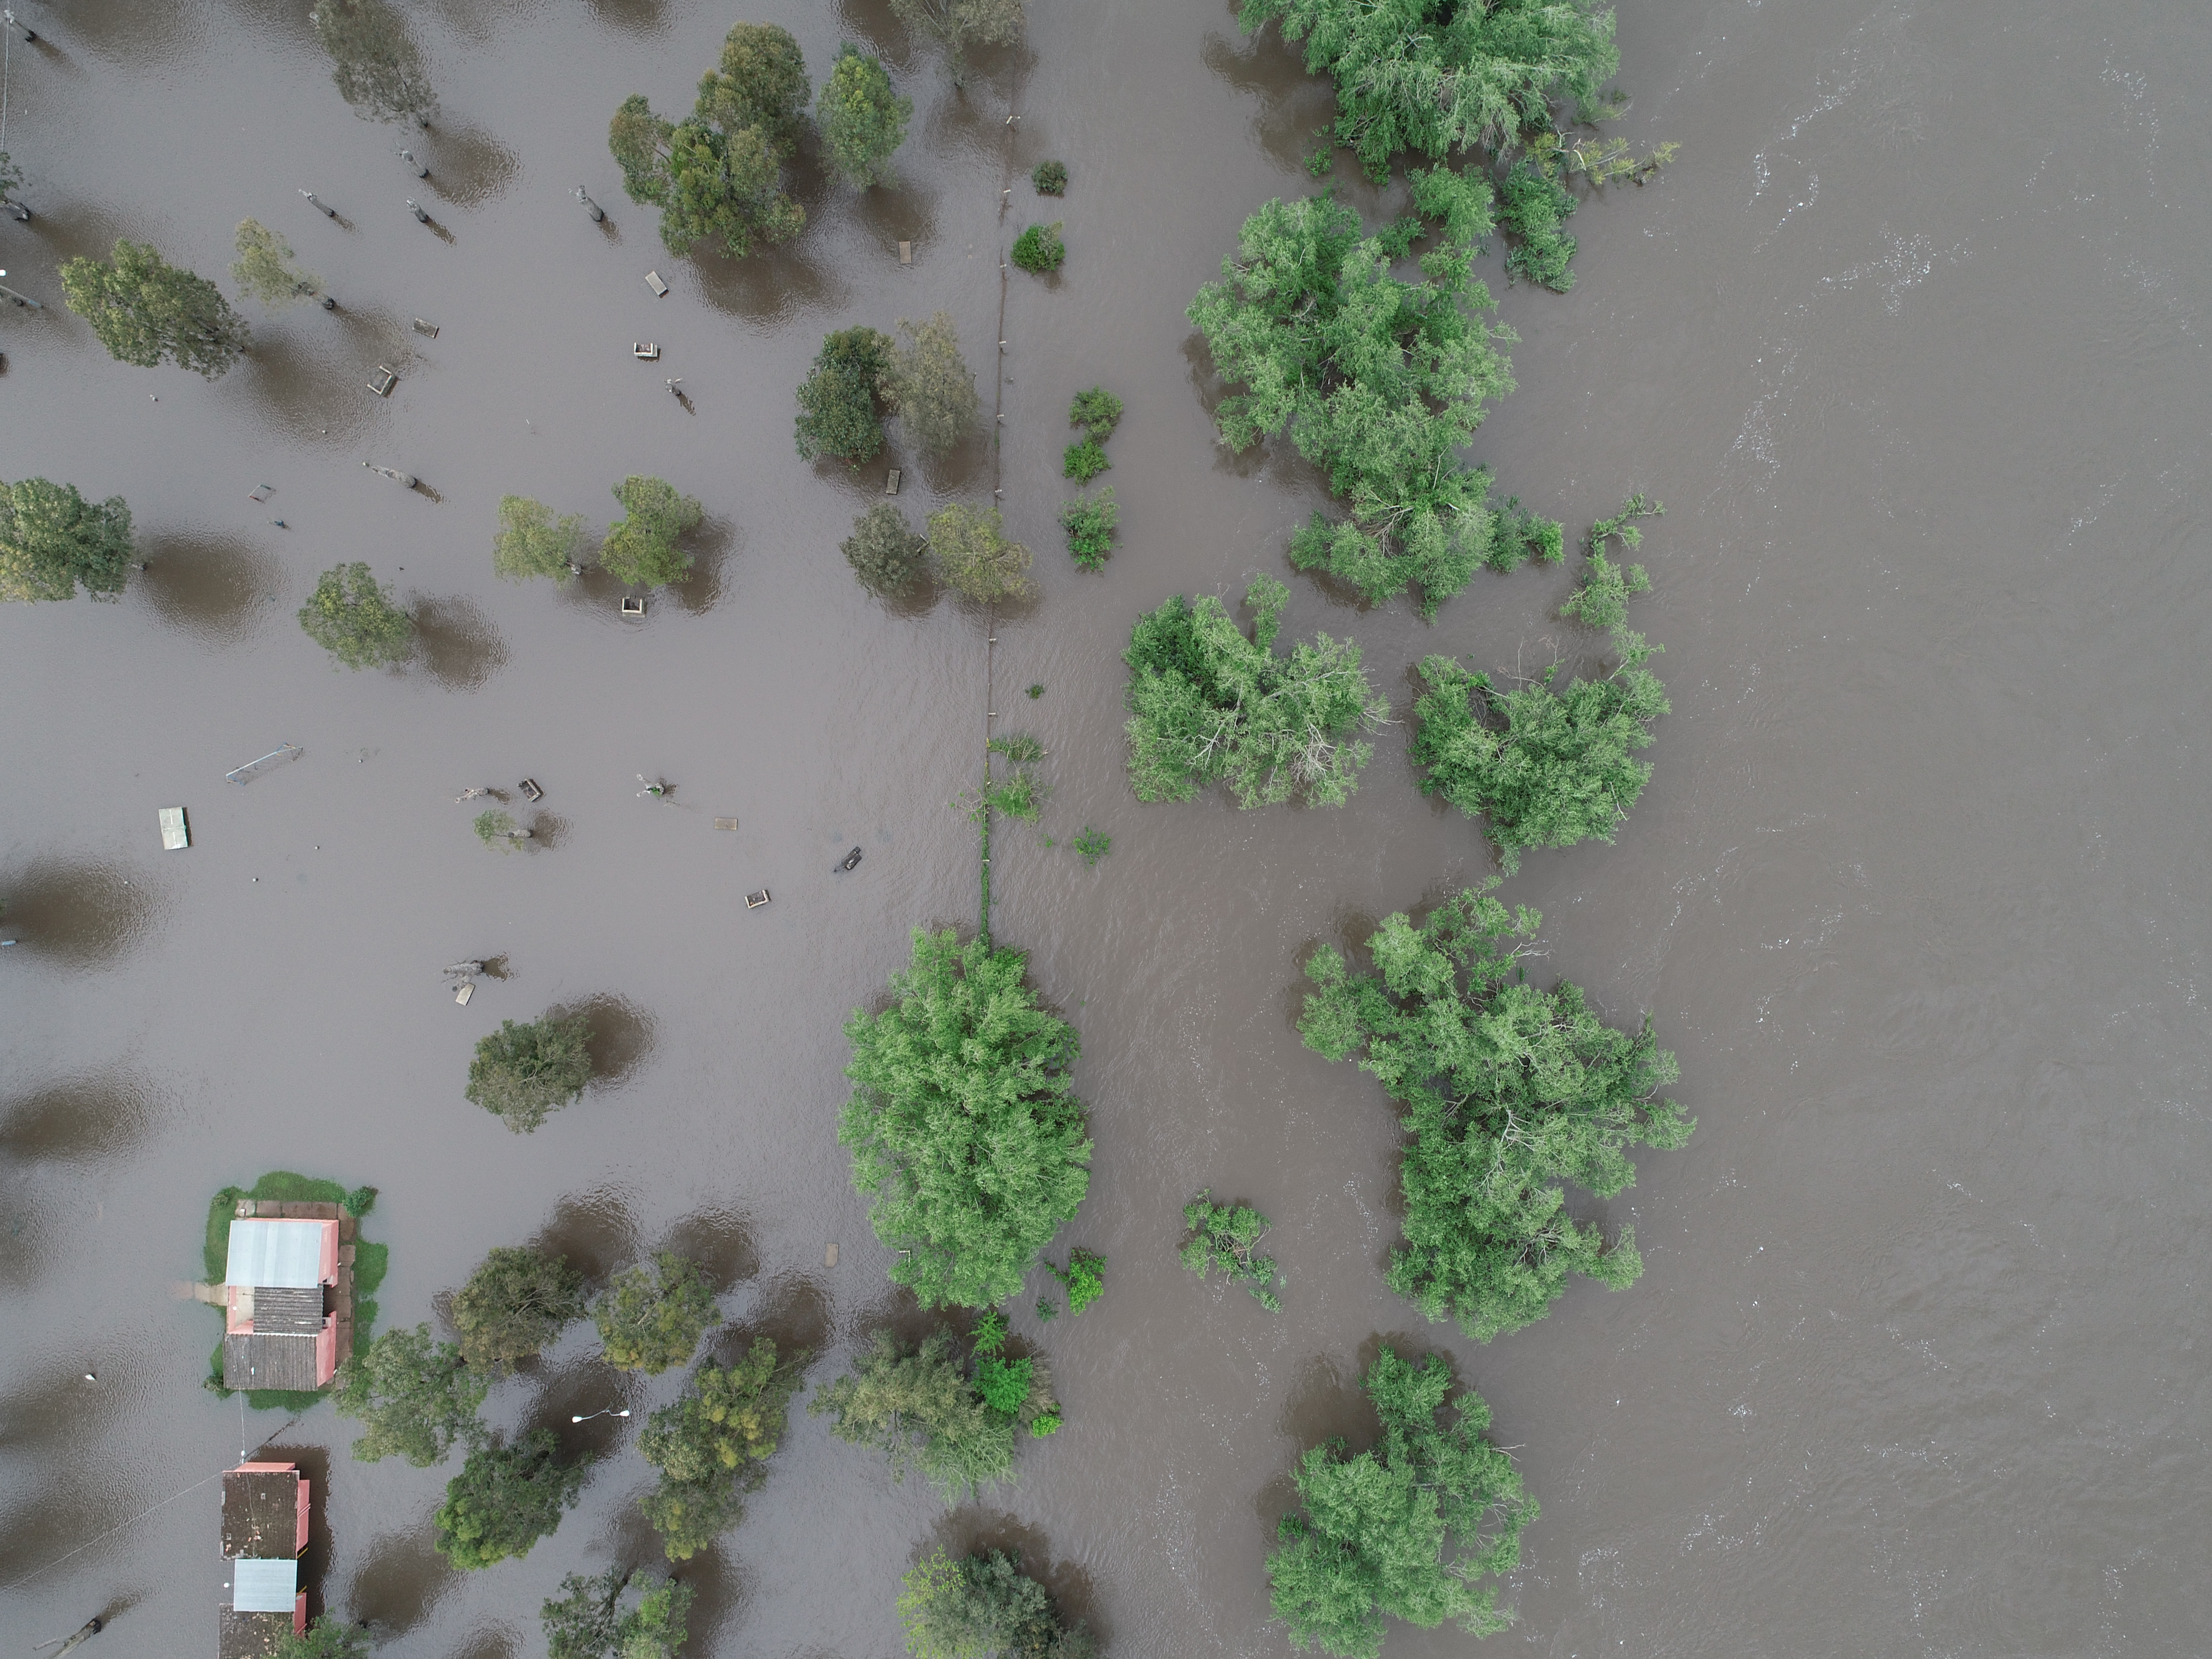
x: 275, y: 1253
x: 278, y: 1308
x: 260, y: 1586
x: 256, y: 1359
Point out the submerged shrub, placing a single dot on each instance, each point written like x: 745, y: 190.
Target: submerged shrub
x: 1089, y: 522
x: 1050, y: 177
x: 1039, y: 250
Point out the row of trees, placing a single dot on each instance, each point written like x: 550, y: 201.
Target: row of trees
x: 967, y: 549
x: 861, y: 376
x: 644, y: 547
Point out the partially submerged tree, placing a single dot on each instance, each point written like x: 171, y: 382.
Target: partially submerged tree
x: 497, y: 830
x: 1040, y: 250
x: 587, y: 1620
x: 640, y: 546
x: 11, y: 180
x: 964, y: 1124
x: 1507, y: 1092
x: 523, y: 1073
x: 1378, y: 381
x: 1552, y: 764
x: 839, y: 410
x: 1405, y: 1529
x: 1089, y: 522
x: 651, y: 1318
x: 266, y: 269
x: 534, y: 541
x: 712, y: 1446
x: 52, y: 541
x: 1207, y: 705
x: 515, y: 1303
x: 352, y: 617
x: 861, y: 120
x: 926, y: 1410
x: 1227, y: 1236
x: 760, y: 83
x: 956, y: 25
x: 984, y: 1604
x: 147, y: 312
x: 1096, y: 411
x: 413, y: 1397
x: 884, y: 552
x: 969, y: 548
x: 929, y: 384
x: 506, y: 1499
x: 374, y: 60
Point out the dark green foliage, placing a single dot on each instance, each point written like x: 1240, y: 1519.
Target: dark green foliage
x: 1507, y: 1092
x: 1093, y: 845
x: 504, y: 1500
x: 955, y: 25
x: 1378, y: 381
x: 839, y: 413
x: 1098, y: 411
x: 1206, y: 704
x: 713, y: 1445
x: 886, y: 555
x: 1039, y: 249
x: 1083, y: 1278
x: 924, y: 1411
x: 640, y: 546
x: 982, y: 1605
x: 522, y: 1074
x: 1550, y: 766
x: 1050, y: 177
x: 413, y: 1397
x: 146, y: 310
x: 52, y: 541
x: 1622, y: 527
x: 515, y: 1303
x: 358, y: 1202
x: 1404, y: 1529
x: 587, y: 1621
x: 1533, y: 206
x: 1047, y: 1308
x: 1227, y: 1236
x: 351, y: 617
x: 327, y: 1637
x: 861, y: 120
x: 651, y: 1318
x: 1518, y: 536
x: 1089, y: 522
x: 1004, y: 1383
x: 963, y: 1127
x: 1083, y: 461
x: 534, y: 541
x: 373, y: 60
x: 1035, y: 692
x: 760, y: 84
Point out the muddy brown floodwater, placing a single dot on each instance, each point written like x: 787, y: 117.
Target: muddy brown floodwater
x: 1911, y: 340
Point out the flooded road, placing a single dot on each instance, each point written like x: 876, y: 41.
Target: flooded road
x: 1911, y: 340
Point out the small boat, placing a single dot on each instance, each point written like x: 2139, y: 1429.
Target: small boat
x: 850, y: 861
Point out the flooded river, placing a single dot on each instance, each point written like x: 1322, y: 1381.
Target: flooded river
x: 1911, y: 340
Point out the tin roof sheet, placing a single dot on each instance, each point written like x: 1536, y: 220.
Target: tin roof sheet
x: 264, y: 1585
x: 275, y: 1253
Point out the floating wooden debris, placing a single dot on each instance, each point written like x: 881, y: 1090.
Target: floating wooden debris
x: 652, y: 281
x: 906, y: 253
x: 176, y: 834
x: 260, y: 493
x: 464, y: 990
x: 463, y: 969
x: 428, y: 330
x: 754, y: 900
x: 382, y: 381
x: 725, y: 824
x: 891, y: 482
x: 830, y: 1255
x: 253, y: 768
x: 645, y: 351
x: 530, y: 789
x: 850, y: 861
x: 632, y: 606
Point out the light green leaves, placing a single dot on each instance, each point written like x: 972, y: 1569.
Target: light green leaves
x: 51, y: 539
x: 146, y: 310
x: 861, y: 118
x: 352, y: 617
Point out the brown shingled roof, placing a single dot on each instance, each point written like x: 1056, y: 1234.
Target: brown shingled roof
x: 261, y: 1513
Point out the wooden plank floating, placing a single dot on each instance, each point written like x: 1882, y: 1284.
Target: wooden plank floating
x: 176, y: 834
x: 754, y: 900
x: 725, y: 824
x: 464, y: 990
x: 891, y: 483
x: 652, y: 281
x: 906, y: 253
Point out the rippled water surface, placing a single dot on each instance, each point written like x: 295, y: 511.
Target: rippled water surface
x: 1911, y: 340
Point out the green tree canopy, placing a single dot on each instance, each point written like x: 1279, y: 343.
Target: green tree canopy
x: 413, y: 1397
x: 641, y: 547
x: 713, y: 1445
x: 327, y: 1637
x: 981, y: 1605
x: 1206, y: 705
x: 147, y: 312
x: 861, y: 118
x: 587, y: 1620
x: 1549, y: 764
x: 505, y: 1499
x: 52, y: 540
x: 522, y: 1074
x: 1378, y: 381
x: 534, y: 541
x: 761, y: 82
x: 1227, y: 1236
x: 1040, y: 249
x: 1404, y: 1529
x: 351, y: 617
x: 265, y: 267
x: 925, y: 1410
x: 838, y: 411
x: 651, y: 1318
x: 964, y: 1124
x: 515, y: 1303
x: 930, y: 385
x: 885, y: 553
x: 374, y: 60
x: 1507, y: 1092
x: 971, y: 551
x: 956, y: 25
